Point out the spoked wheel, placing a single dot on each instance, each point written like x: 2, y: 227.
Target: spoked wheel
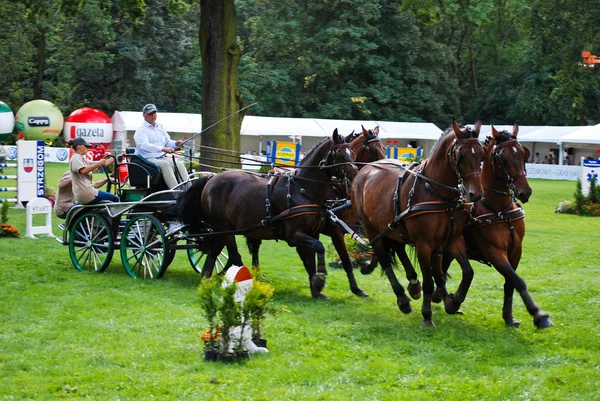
x: 197, y: 258
x: 91, y: 244
x: 144, y: 248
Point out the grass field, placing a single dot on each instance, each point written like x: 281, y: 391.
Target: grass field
x: 70, y: 335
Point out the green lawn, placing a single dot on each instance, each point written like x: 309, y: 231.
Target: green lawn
x: 70, y: 335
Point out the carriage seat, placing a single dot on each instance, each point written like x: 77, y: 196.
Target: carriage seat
x: 142, y: 171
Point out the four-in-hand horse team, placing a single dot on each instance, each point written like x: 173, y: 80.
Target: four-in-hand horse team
x: 460, y: 203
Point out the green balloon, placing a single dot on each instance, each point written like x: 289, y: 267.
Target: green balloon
x: 7, y: 121
x: 39, y: 120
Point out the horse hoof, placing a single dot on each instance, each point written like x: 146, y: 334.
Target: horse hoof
x: 436, y: 297
x: 427, y: 323
x: 404, y: 305
x: 414, y: 290
x: 541, y: 320
x: 360, y: 293
x: 366, y: 269
x: 317, y: 283
x: 512, y: 322
x: 452, y: 308
x: 321, y: 296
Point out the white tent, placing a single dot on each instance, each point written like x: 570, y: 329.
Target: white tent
x: 589, y: 135
x: 256, y: 129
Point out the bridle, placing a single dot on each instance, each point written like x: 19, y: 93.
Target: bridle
x: 334, y: 160
x: 498, y: 163
x: 454, y: 157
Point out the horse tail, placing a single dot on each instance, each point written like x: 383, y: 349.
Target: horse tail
x: 189, y: 206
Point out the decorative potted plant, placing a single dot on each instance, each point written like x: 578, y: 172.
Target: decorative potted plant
x: 257, y: 306
x: 210, y: 300
x: 229, y: 314
x: 7, y: 230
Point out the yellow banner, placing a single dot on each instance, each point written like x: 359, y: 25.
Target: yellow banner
x: 285, y: 153
x: 406, y: 154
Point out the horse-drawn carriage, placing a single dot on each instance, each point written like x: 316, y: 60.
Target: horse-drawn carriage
x: 142, y: 227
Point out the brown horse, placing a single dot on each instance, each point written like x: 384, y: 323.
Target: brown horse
x: 287, y: 207
x: 424, y: 208
x: 367, y: 147
x: 496, y: 234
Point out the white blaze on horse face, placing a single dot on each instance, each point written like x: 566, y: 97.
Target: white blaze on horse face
x: 514, y: 149
x: 473, y: 150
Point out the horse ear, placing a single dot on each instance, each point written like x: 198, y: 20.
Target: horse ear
x: 364, y: 131
x: 494, y: 132
x: 350, y: 137
x: 455, y: 127
x: 376, y: 130
x: 477, y: 127
x: 336, y: 137
x: 515, y: 129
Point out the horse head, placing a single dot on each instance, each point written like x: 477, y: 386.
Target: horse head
x: 465, y: 156
x: 341, y: 159
x: 367, y: 146
x: 508, y: 158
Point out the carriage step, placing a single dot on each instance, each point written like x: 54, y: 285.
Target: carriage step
x: 61, y: 226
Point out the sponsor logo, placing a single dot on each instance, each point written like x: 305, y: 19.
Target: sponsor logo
x: 28, y: 165
x: 90, y: 132
x: 62, y: 155
x: 41, y: 159
x: 285, y: 154
x: 38, y: 121
x: 12, y: 153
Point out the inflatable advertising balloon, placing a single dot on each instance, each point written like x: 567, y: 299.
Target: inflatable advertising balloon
x: 39, y: 120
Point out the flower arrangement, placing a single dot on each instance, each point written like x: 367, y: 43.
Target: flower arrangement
x: 359, y: 255
x: 7, y: 230
x: 582, y: 205
x: 230, y: 321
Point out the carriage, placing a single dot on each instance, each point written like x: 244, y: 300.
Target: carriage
x: 142, y: 227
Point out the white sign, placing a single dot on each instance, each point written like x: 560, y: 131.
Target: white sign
x: 39, y: 206
x: 553, y: 171
x: 590, y: 169
x: 31, y: 165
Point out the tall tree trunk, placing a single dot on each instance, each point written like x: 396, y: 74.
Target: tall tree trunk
x: 41, y: 63
x: 220, y: 59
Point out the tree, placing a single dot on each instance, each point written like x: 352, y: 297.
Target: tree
x: 220, y: 59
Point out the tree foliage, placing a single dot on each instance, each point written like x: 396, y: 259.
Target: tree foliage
x: 425, y: 60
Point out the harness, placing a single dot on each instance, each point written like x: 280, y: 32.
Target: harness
x: 508, y: 214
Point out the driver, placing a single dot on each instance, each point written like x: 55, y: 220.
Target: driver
x: 85, y: 191
x: 152, y: 142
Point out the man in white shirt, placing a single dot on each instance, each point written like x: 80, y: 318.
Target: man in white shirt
x: 153, y: 142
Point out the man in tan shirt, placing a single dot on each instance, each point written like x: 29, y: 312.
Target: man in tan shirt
x: 85, y: 191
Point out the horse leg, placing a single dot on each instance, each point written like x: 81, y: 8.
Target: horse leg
x: 216, y: 246
x: 383, y: 250
x: 337, y: 238
x: 414, y: 286
x: 253, y: 248
x: 453, y: 301
x: 440, y: 294
x: 424, y: 252
x: 513, y: 281
x: 235, y: 259
x: 307, y: 255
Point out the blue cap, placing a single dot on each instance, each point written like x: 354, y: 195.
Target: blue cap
x: 149, y: 108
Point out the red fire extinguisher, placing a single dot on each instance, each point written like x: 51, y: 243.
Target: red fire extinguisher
x: 123, y: 173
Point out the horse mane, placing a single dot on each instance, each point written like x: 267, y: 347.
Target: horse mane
x: 447, y: 132
x: 309, y: 154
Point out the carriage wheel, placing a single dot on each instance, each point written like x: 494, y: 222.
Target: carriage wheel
x: 196, y: 258
x: 91, y: 244
x: 144, y: 248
